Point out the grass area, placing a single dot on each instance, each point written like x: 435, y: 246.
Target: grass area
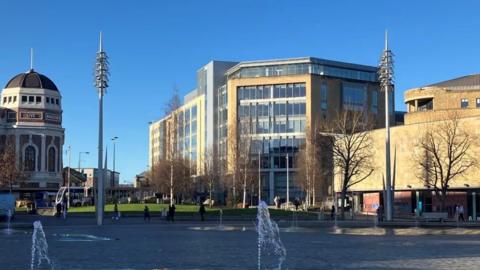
x: 139, y: 208
x: 188, y: 210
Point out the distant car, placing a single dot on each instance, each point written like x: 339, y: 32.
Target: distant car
x: 7, y: 206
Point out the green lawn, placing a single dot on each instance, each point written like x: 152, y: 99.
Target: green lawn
x: 139, y: 208
x: 188, y: 210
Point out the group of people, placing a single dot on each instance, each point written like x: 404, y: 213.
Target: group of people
x: 62, y: 209
x: 459, y: 213
x: 170, y: 216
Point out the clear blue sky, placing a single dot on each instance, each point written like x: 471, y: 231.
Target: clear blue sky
x: 155, y: 45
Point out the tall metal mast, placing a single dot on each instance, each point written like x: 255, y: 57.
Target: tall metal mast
x: 101, y: 83
x: 386, y: 82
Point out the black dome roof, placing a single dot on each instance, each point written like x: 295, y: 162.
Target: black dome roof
x: 31, y: 79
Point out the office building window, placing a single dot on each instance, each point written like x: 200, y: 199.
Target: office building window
x: 478, y: 102
x: 464, y: 103
x: 38, y: 99
x: 14, y: 99
x: 323, y: 96
x: 374, y: 102
x: 31, y: 99
x: 354, y: 96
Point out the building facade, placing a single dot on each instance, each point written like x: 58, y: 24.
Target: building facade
x: 31, y: 121
x: 111, y: 179
x: 272, y: 102
x: 276, y: 102
x: 429, y: 108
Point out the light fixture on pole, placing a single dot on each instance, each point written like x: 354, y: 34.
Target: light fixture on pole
x: 80, y: 160
x: 386, y: 82
x: 101, y: 83
x: 112, y: 184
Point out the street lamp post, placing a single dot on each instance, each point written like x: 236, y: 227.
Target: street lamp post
x: 68, y: 175
x: 112, y: 184
x: 80, y: 160
x: 259, y: 180
x: 288, y: 183
x: 101, y: 83
x: 386, y: 81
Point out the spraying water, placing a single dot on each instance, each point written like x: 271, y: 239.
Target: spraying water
x: 220, y: 225
x: 39, y: 247
x: 269, y: 237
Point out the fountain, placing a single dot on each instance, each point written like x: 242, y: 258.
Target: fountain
x: 39, y: 247
x: 269, y: 237
x: 220, y: 224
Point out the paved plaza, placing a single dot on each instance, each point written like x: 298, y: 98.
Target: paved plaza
x: 131, y: 244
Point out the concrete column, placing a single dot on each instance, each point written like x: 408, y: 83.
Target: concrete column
x: 474, y: 206
x: 416, y: 105
x: 17, y: 150
x: 271, y: 186
x: 44, y: 154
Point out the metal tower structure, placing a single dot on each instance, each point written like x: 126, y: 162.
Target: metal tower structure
x: 101, y: 83
x: 386, y: 82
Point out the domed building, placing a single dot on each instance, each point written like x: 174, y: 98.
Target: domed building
x: 31, y: 120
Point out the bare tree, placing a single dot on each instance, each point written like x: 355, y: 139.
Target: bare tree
x: 308, y: 162
x: 211, y: 173
x: 10, y: 174
x: 444, y: 153
x: 173, y: 103
x: 352, y: 148
x: 244, y: 157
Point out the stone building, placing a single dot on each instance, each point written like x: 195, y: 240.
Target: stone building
x: 31, y: 120
x: 428, y: 108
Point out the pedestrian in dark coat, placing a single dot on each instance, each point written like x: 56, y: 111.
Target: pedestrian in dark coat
x: 202, y: 211
x: 171, y: 212
x: 146, y: 214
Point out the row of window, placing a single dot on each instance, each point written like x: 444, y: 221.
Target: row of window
x: 30, y: 159
x: 271, y: 109
x: 268, y: 145
x: 305, y: 68
x: 31, y: 100
x: 271, y: 91
x: 464, y: 103
x: 278, y: 126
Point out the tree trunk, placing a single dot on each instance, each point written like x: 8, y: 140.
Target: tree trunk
x: 342, y: 205
x: 210, y: 194
x: 244, y: 192
x: 443, y: 199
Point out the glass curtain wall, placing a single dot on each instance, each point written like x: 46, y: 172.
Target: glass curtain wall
x: 275, y: 118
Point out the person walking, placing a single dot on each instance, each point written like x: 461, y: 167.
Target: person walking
x: 59, y: 210
x: 202, y: 211
x: 461, y: 211
x: 171, y: 212
x: 64, y: 210
x: 332, y: 212
x: 116, y: 214
x: 146, y: 214
x: 276, y: 200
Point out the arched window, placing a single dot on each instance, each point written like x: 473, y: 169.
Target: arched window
x: 51, y: 159
x: 29, y: 159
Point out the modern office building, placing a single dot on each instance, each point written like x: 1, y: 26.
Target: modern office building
x: 272, y: 102
x: 428, y: 109
x: 31, y: 122
x: 195, y: 122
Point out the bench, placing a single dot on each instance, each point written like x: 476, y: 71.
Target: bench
x: 440, y: 216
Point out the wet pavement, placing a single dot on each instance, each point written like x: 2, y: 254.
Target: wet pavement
x: 132, y: 244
